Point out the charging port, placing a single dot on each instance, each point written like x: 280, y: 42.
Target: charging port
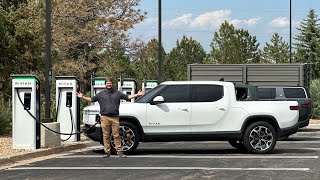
x: 69, y: 99
x: 27, y: 101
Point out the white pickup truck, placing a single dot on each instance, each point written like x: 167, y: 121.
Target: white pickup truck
x: 200, y: 110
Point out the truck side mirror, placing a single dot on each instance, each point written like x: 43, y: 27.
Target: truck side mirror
x: 157, y: 100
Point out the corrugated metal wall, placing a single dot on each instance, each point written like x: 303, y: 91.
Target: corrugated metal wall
x: 258, y: 74
x: 213, y: 72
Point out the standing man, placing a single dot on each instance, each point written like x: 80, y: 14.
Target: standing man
x: 109, y: 101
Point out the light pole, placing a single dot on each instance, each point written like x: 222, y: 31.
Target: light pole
x: 290, y: 34
x: 48, y: 75
x: 159, y: 46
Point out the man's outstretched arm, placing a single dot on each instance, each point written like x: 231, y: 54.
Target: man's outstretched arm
x: 81, y: 96
x: 140, y: 93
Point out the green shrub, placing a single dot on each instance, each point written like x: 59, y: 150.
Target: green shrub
x: 5, y: 116
x: 315, y: 95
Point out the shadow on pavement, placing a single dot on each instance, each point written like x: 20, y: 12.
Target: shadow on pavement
x: 151, y: 151
x: 189, y: 151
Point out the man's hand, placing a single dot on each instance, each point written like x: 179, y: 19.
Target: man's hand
x: 140, y: 93
x: 79, y: 95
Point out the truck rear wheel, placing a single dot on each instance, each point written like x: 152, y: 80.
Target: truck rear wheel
x: 259, y: 137
x: 130, y: 138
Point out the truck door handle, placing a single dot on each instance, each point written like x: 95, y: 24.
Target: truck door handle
x: 221, y: 108
x: 183, y: 109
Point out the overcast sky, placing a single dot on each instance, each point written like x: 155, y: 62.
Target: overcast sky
x: 201, y: 18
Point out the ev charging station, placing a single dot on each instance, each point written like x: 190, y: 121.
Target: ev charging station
x: 147, y: 85
x: 128, y: 86
x: 25, y: 112
x: 99, y: 84
x: 68, y: 107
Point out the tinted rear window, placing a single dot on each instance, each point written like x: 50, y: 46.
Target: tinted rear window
x: 206, y: 93
x: 294, y: 93
x: 266, y: 93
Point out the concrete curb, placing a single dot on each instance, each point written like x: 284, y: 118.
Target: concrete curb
x: 44, y: 152
x: 310, y: 128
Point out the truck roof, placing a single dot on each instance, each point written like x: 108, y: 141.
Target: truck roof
x: 197, y: 82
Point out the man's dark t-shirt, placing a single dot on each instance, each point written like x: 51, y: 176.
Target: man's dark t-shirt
x: 109, y: 101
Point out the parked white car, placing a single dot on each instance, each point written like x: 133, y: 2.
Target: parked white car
x: 200, y: 110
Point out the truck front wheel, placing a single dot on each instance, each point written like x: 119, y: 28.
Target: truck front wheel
x: 130, y: 137
x: 259, y: 137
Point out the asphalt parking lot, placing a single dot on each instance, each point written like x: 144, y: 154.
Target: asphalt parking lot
x: 294, y: 158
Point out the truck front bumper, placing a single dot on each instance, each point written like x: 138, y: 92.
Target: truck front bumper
x: 94, y: 133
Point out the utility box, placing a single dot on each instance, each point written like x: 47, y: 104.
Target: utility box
x: 68, y: 107
x: 99, y: 84
x: 25, y: 112
x: 128, y: 86
x: 148, y: 85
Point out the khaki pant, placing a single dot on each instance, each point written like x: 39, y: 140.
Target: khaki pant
x: 110, y: 123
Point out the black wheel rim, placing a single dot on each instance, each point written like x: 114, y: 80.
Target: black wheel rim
x: 127, y: 136
x: 261, y: 138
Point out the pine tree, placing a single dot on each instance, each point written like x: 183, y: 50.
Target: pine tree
x: 231, y: 46
x: 307, y: 43
x: 275, y: 52
x: 146, y: 62
x: 186, y: 52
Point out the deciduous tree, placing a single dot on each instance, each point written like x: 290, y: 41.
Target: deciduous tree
x: 22, y: 41
x: 84, y: 28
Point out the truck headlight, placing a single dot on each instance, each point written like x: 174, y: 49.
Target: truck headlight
x: 85, y: 116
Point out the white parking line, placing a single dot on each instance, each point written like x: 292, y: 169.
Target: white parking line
x: 314, y: 149
x: 198, y: 157
x: 298, y: 142
x: 159, y: 168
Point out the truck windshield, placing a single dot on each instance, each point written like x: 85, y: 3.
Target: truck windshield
x: 149, y: 94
